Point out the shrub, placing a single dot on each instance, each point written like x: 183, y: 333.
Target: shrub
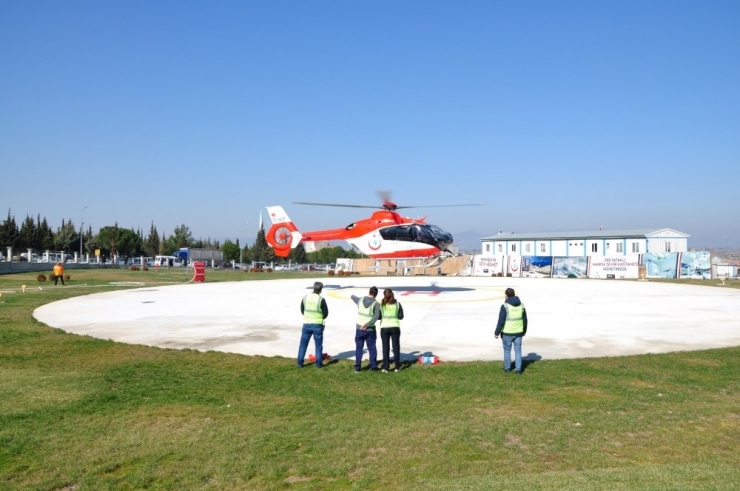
x: 508, y: 275
x: 66, y: 277
x: 331, y: 272
x: 268, y: 270
x: 145, y: 268
x: 499, y: 275
x: 41, y: 278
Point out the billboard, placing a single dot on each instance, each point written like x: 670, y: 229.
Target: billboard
x: 661, y: 265
x: 613, y: 267
x: 570, y: 267
x: 536, y: 266
x: 514, y: 266
x: 487, y: 265
x: 696, y: 264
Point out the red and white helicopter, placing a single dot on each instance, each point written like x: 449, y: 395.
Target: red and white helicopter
x: 385, y: 235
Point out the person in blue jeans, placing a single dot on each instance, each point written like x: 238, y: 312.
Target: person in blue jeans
x: 368, y: 313
x: 512, y: 326
x: 315, y: 311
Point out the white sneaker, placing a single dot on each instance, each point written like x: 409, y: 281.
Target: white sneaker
x: 385, y: 371
x: 397, y: 370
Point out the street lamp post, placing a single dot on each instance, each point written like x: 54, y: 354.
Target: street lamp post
x: 81, y: 224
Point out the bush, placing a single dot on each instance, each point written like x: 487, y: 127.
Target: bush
x: 41, y: 278
x: 145, y: 268
x: 268, y: 270
x: 66, y: 277
x: 499, y: 275
x: 508, y: 275
x: 135, y: 268
x: 331, y: 272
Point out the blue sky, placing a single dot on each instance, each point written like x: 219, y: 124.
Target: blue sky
x: 557, y: 115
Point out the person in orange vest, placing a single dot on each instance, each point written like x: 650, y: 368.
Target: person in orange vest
x: 59, y: 273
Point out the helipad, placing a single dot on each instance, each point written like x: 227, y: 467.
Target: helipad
x: 452, y: 317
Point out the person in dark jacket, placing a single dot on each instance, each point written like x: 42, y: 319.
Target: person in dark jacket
x: 512, y: 326
x: 315, y: 311
x: 368, y: 313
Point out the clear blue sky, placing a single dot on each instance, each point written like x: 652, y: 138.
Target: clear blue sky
x: 558, y: 115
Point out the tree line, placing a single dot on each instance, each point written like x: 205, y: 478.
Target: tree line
x: 37, y: 235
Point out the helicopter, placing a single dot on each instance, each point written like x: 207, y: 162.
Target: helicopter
x: 384, y: 235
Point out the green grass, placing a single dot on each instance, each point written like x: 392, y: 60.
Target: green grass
x: 82, y: 413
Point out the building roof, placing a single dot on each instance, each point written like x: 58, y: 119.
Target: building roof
x: 590, y: 234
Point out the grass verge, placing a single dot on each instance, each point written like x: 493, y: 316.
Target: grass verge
x: 81, y: 413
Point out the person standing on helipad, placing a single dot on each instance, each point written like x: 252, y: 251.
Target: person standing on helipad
x: 315, y: 311
x: 512, y: 326
x: 391, y: 315
x: 368, y: 313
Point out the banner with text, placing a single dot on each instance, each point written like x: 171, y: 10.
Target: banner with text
x: 487, y: 265
x: 613, y: 267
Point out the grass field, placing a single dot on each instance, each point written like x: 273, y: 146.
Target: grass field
x: 80, y: 413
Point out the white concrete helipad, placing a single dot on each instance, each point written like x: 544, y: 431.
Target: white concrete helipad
x: 452, y: 317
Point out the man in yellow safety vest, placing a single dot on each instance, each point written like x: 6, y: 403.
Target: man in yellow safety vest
x: 512, y: 326
x: 368, y: 313
x: 315, y: 311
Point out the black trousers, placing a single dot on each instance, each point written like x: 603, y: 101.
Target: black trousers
x: 388, y: 335
x: 59, y: 277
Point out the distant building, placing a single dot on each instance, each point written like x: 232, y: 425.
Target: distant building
x: 591, y: 243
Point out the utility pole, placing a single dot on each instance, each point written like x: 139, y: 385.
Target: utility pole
x: 81, y: 223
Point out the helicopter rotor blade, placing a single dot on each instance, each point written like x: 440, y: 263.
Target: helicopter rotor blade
x: 335, y: 204
x: 441, y: 206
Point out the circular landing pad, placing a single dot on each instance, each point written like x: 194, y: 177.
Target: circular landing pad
x: 451, y: 317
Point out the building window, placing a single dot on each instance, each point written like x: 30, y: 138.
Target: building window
x: 667, y: 246
x: 513, y: 247
x: 619, y: 247
x: 608, y: 245
x: 528, y: 247
x: 542, y: 247
x: 594, y: 247
x: 500, y: 248
x: 636, y: 247
x: 488, y: 247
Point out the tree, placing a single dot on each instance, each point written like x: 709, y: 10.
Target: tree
x: 108, y: 237
x: 129, y: 243
x: 45, y: 236
x: 9, y: 235
x: 27, y: 235
x: 230, y: 250
x: 298, y: 255
x: 151, y: 244
x: 261, y: 250
x: 180, y: 238
x: 92, y: 242
x: 66, y: 237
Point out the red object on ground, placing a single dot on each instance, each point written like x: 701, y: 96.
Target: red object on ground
x: 200, y: 272
x: 429, y: 360
x: 325, y: 356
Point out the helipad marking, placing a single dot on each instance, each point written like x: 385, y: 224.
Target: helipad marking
x: 426, y: 295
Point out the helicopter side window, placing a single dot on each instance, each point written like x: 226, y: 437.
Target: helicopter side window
x: 403, y: 233
x: 350, y: 226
